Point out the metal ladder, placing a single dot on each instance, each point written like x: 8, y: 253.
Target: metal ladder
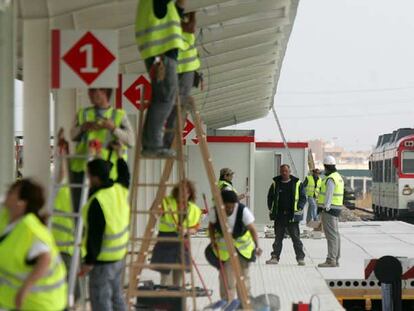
x: 61, y: 165
x: 137, y: 259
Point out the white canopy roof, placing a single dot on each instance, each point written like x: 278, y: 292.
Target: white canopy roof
x: 241, y: 44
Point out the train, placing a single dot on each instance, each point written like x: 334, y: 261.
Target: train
x: 392, y: 166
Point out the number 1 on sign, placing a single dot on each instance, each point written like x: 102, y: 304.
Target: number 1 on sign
x: 88, y: 49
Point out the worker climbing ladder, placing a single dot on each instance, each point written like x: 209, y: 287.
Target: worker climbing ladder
x: 138, y: 258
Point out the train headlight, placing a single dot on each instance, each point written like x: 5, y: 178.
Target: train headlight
x: 407, y: 190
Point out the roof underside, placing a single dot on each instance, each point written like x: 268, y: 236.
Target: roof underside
x: 241, y: 44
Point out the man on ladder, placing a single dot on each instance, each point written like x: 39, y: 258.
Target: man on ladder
x: 159, y: 37
x: 106, y: 217
x: 100, y: 123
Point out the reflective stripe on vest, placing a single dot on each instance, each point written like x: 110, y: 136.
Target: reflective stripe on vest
x: 169, y: 220
x: 115, y: 207
x: 156, y: 36
x: 188, y: 60
x: 49, y: 292
x: 102, y: 135
x: 338, y: 195
x: 311, y: 189
x: 63, y: 227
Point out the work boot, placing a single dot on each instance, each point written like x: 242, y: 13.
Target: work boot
x: 301, y: 262
x: 328, y: 264
x: 272, y: 261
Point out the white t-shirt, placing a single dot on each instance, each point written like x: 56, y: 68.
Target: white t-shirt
x: 38, y: 247
x: 247, y: 218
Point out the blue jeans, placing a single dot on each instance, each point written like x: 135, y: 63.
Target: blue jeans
x: 162, y: 103
x: 312, y: 213
x: 105, y: 288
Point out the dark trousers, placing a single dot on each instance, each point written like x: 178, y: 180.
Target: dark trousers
x: 293, y: 229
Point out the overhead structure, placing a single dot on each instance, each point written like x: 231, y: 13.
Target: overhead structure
x: 241, y: 42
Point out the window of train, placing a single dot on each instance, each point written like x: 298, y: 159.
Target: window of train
x: 408, y: 162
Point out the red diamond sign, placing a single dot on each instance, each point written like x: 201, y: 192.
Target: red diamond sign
x: 84, y: 58
x: 134, y: 96
x: 189, y: 126
x: 88, y: 58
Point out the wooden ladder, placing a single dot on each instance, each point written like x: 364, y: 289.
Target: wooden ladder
x: 138, y: 258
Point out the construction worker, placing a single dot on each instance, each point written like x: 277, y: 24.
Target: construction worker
x: 188, y: 63
x: 330, y: 202
x: 170, y: 252
x: 106, y: 219
x: 159, y: 37
x: 285, y: 201
x: 312, y: 184
x: 241, y: 223
x: 225, y: 182
x: 32, y: 274
x: 99, y: 123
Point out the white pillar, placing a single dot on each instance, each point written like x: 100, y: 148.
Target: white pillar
x: 7, y: 74
x: 364, y: 185
x: 65, y: 110
x: 36, y: 70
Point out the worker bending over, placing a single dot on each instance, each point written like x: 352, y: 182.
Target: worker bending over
x: 106, y: 218
x: 32, y: 274
x: 159, y: 37
x: 169, y: 226
x: 330, y: 201
x: 245, y: 240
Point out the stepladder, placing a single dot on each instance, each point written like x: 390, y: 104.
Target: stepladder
x: 143, y: 241
x: 66, y: 223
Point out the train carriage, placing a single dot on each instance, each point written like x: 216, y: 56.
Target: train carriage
x: 392, y: 167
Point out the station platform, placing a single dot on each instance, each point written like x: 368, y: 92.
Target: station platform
x: 293, y: 283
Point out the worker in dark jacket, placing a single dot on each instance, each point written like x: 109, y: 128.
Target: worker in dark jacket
x: 106, y: 219
x: 285, y: 201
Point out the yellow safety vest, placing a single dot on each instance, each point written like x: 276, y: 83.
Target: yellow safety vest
x: 311, y: 189
x: 63, y: 227
x: 50, y: 292
x: 224, y: 184
x: 103, y: 135
x: 169, y: 220
x: 115, y: 207
x: 188, y: 59
x: 338, y: 195
x: 156, y: 36
x: 297, y: 212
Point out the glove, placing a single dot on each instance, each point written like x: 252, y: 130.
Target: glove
x: 327, y: 208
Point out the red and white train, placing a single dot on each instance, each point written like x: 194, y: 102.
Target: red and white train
x: 392, y: 167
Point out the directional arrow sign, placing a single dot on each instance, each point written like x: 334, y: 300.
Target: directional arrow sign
x: 189, y: 132
x: 84, y: 58
x: 129, y: 92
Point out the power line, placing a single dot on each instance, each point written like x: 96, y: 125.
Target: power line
x: 390, y: 89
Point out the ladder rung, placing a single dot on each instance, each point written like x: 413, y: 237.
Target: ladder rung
x: 159, y: 239
x: 161, y: 293
x: 153, y: 185
x: 72, y: 156
x: 145, y: 211
x: 161, y: 266
x: 70, y: 185
x: 63, y: 214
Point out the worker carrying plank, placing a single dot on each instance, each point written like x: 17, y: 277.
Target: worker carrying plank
x: 169, y: 226
x: 106, y: 218
x: 159, y: 37
x: 241, y: 223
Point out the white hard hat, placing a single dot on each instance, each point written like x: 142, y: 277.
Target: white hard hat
x: 329, y: 160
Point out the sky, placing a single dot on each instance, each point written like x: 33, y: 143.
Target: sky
x: 348, y: 73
